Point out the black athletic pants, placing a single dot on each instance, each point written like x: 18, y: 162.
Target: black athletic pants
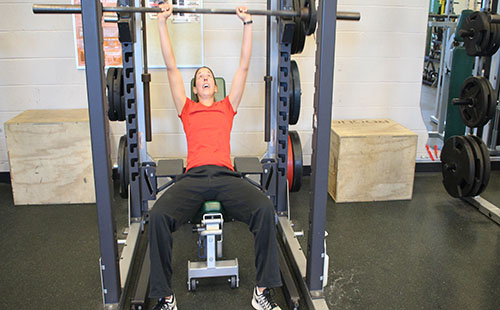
x: 181, y: 202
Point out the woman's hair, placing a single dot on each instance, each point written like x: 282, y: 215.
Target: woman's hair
x: 213, y: 76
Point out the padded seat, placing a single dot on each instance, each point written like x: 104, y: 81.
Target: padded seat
x: 211, y: 206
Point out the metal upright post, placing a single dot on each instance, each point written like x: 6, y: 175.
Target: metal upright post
x: 99, y: 131
x: 323, y: 93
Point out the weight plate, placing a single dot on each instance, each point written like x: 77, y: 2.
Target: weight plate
x: 310, y: 24
x: 487, y: 164
x: 478, y: 166
x: 479, y: 25
x: 297, y: 160
x: 485, y: 106
x: 299, y: 33
x: 457, y: 163
x: 289, y: 164
x: 122, y: 161
x: 118, y: 94
x: 295, y: 94
x: 112, y: 113
x: 474, y: 114
x: 492, y: 104
x: 494, y: 41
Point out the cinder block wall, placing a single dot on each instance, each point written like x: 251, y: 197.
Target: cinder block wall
x: 377, y: 71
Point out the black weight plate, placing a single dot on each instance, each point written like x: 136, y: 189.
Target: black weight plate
x: 295, y: 94
x: 299, y: 34
x: 487, y: 164
x: 486, y: 105
x: 310, y: 24
x: 478, y: 22
x: 122, y: 162
x: 297, y: 160
x: 474, y: 114
x: 118, y: 94
x: 457, y: 163
x: 112, y: 113
x: 492, y: 105
x: 494, y: 42
x: 478, y: 166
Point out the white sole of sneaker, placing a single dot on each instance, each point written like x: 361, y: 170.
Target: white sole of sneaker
x: 255, y: 305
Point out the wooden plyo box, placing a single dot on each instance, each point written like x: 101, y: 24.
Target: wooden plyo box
x: 371, y: 160
x: 50, y: 157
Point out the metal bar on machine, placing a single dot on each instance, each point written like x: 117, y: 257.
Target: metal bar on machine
x: 485, y: 207
x: 99, y: 132
x: 76, y: 9
x: 323, y: 93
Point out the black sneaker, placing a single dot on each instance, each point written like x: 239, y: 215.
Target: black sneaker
x: 263, y: 301
x: 164, y: 304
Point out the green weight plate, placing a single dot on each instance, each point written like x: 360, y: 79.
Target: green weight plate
x: 457, y: 163
x: 297, y: 160
x: 112, y: 113
x: 478, y: 166
x: 487, y: 164
x: 295, y: 94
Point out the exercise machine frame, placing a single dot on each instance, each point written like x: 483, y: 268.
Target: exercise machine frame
x: 115, y: 273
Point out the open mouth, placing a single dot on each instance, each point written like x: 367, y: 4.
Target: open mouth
x: 206, y: 85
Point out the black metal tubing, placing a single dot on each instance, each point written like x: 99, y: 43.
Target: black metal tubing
x: 323, y: 93
x: 146, y: 76
x: 284, y: 91
x: 76, y: 9
x: 99, y: 132
x: 268, y: 79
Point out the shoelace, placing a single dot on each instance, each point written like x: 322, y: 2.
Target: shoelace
x: 266, y: 301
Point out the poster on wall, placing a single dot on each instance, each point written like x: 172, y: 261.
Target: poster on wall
x: 185, y: 32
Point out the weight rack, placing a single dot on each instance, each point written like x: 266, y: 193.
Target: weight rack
x: 115, y: 271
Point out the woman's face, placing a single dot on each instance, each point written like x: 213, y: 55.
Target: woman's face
x: 205, y: 86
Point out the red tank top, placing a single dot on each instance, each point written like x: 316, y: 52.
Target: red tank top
x: 208, y: 133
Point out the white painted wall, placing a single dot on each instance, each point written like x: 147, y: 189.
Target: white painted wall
x: 377, y: 72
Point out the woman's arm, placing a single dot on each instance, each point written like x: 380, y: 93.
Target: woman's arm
x: 174, y: 75
x: 239, y: 80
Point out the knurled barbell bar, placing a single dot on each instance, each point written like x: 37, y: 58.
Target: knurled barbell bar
x: 77, y: 9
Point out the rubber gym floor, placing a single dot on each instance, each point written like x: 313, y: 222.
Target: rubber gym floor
x: 432, y: 252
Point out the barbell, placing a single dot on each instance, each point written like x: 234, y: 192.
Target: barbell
x: 77, y: 9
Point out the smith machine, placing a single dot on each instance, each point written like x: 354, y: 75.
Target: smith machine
x: 294, y: 20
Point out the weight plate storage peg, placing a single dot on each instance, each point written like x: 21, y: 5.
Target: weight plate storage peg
x: 458, y: 167
x: 295, y: 94
x: 486, y: 163
x: 478, y: 166
x: 122, y: 162
x: 475, y: 101
x: 295, y: 162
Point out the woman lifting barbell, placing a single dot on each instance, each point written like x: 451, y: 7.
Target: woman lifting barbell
x: 210, y: 174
